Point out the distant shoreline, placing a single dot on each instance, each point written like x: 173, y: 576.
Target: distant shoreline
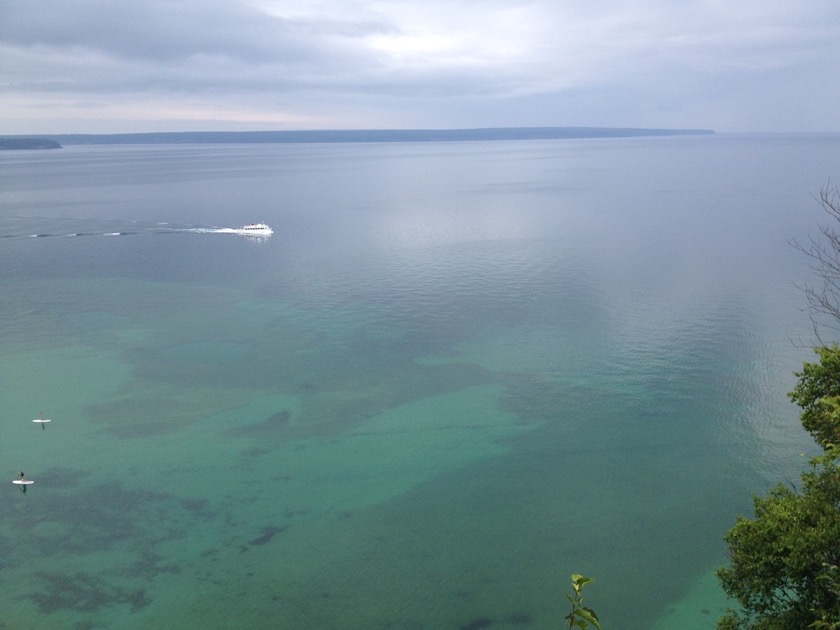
x: 350, y: 135
x: 22, y: 143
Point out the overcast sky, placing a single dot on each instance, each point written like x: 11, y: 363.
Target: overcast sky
x: 107, y: 66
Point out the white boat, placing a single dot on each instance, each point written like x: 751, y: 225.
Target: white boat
x: 254, y: 229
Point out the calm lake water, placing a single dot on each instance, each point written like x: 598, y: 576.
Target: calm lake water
x: 456, y: 374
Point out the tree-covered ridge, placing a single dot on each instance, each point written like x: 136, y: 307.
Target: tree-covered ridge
x: 372, y: 135
x: 19, y: 143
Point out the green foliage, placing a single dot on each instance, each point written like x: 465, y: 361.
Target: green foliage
x: 780, y: 561
x: 818, y: 394
x: 784, y: 562
x: 580, y: 616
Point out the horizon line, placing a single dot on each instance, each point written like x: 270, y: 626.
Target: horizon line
x: 363, y: 135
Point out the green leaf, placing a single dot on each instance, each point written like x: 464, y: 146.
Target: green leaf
x: 590, y: 616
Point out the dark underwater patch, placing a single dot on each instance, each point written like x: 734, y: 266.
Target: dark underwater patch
x: 61, y: 478
x: 82, y: 592
x: 269, y: 429
x: 267, y: 534
x: 477, y: 624
x: 97, y: 517
x: 148, y: 566
x: 141, y: 417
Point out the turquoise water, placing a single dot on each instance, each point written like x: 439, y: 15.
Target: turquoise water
x: 456, y: 374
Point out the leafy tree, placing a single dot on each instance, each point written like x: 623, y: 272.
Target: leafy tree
x: 784, y: 562
x: 823, y: 297
x: 818, y: 394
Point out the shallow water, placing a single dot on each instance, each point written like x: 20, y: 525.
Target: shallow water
x: 457, y: 373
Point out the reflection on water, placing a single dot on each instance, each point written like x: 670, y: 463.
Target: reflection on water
x: 455, y: 374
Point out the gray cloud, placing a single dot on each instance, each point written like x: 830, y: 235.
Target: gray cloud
x: 151, y: 31
x: 303, y: 63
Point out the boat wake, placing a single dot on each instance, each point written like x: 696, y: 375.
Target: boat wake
x: 65, y: 234
x: 158, y: 229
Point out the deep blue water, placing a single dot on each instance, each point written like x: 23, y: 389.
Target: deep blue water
x: 456, y: 374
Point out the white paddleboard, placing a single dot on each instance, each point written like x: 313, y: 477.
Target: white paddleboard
x: 23, y: 482
x: 42, y: 420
